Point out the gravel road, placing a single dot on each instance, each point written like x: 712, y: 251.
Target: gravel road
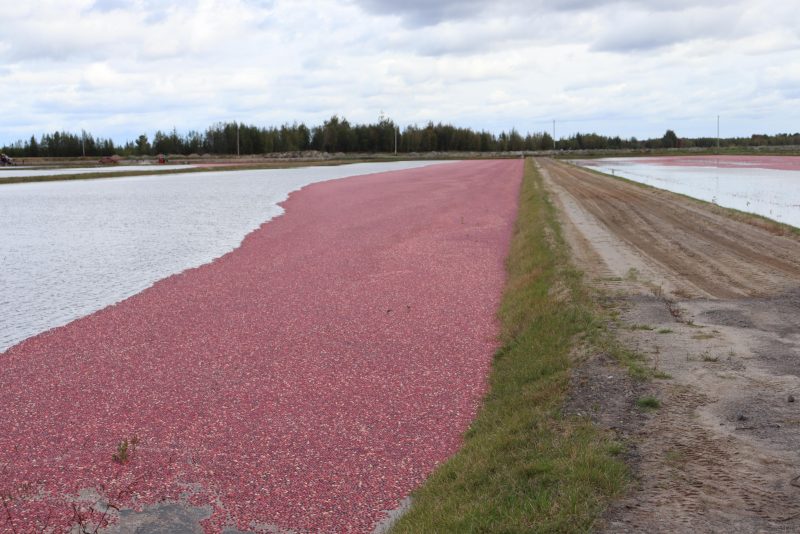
x: 712, y: 304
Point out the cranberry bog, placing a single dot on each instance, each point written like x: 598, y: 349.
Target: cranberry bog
x: 308, y: 380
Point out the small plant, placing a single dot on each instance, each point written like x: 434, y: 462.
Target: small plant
x: 703, y: 335
x: 641, y: 327
x: 675, y: 457
x: 682, y: 293
x: 648, y: 403
x: 658, y: 291
x: 657, y: 373
x: 632, y: 274
x: 615, y: 448
x: 664, y: 330
x: 707, y: 357
x: 125, y: 450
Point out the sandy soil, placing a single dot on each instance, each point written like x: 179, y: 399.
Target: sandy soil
x: 714, y: 304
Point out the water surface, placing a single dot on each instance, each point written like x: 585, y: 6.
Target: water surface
x: 771, y: 192
x: 70, y: 248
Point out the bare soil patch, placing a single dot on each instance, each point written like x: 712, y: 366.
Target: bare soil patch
x: 713, y: 304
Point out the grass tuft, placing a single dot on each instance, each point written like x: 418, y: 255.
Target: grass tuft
x: 648, y: 403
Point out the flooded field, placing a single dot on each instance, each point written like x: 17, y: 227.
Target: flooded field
x: 70, y: 248
x: 764, y: 185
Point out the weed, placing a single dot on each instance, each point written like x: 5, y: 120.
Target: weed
x: 656, y: 360
x: 664, y: 330
x: 703, y: 335
x: 125, y: 450
x: 648, y: 403
x: 682, y: 293
x: 675, y: 458
x: 707, y: 357
x: 641, y: 327
x: 658, y: 291
x: 632, y: 275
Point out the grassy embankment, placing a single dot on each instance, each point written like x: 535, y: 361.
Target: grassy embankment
x: 524, y: 466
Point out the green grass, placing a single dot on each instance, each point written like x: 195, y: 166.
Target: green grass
x: 525, y: 467
x: 648, y: 403
x: 703, y: 335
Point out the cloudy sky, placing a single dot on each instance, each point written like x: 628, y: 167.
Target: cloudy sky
x: 118, y: 68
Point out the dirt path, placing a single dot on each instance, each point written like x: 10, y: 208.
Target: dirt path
x: 307, y: 381
x: 714, y: 304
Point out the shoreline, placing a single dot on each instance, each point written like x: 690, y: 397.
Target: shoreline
x: 94, y: 238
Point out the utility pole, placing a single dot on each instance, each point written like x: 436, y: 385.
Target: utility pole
x: 237, y: 139
x: 83, y: 142
x: 395, y: 139
x: 554, y: 135
x: 717, y: 132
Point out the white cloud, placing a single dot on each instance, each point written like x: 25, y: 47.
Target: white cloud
x: 122, y: 67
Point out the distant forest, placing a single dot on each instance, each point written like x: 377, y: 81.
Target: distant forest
x: 339, y: 135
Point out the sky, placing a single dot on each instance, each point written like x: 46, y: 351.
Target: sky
x: 119, y: 68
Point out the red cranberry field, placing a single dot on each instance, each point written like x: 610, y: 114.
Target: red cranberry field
x: 310, y: 379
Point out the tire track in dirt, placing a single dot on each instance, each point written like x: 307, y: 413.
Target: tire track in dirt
x: 719, y: 256
x: 712, y: 303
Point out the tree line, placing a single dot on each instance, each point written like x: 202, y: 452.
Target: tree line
x: 338, y: 135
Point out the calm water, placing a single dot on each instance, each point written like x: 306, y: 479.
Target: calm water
x: 70, y: 248
x: 768, y: 192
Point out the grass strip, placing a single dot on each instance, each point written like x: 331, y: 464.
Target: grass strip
x: 524, y: 466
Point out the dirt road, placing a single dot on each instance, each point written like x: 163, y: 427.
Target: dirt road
x: 713, y: 304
